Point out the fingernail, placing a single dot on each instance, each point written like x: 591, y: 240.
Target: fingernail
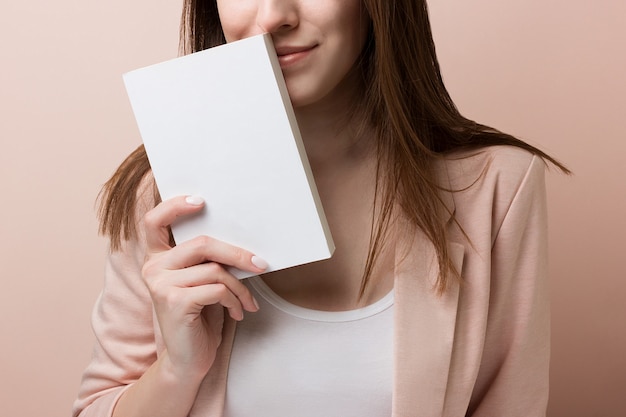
x: 256, y: 303
x: 194, y: 200
x: 259, y: 262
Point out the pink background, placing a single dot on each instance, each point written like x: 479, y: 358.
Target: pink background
x: 551, y: 72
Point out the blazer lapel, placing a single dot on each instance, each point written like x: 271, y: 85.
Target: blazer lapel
x: 424, y: 329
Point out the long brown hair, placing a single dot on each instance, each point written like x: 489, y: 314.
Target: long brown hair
x: 406, y: 103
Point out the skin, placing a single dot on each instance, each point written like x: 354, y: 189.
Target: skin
x: 318, y: 42
x: 325, y: 38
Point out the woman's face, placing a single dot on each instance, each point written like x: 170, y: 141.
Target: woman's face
x: 317, y: 41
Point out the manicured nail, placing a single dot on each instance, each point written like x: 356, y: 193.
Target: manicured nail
x: 195, y: 200
x: 259, y: 262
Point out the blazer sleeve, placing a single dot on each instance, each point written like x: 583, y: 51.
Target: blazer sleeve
x: 513, y: 375
x: 122, y: 322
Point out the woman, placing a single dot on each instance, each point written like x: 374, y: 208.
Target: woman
x: 435, y: 301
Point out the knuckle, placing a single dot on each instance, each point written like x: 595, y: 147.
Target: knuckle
x: 221, y: 291
x: 201, y: 245
x: 153, y: 277
x: 214, y: 270
x: 202, y: 241
x: 240, y: 256
x: 150, y: 219
x: 159, y: 291
x: 171, y: 299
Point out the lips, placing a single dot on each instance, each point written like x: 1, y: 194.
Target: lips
x: 290, y: 55
x: 287, y: 50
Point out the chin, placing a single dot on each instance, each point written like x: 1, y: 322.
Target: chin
x: 302, y: 100
x: 309, y: 95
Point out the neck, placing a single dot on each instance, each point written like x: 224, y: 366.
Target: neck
x: 343, y: 159
x: 333, y: 144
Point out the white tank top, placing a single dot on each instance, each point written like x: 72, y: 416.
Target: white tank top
x: 297, y: 362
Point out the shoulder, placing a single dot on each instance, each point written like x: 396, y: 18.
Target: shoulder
x: 484, y: 185
x: 491, y: 166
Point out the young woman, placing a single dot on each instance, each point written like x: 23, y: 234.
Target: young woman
x: 435, y: 301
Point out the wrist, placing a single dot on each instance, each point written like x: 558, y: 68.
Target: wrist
x: 181, y: 375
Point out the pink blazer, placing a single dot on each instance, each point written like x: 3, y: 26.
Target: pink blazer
x: 481, y: 349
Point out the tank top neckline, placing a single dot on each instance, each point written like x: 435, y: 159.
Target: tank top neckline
x: 286, y: 307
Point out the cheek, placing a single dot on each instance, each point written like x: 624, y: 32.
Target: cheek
x: 350, y: 28
x: 237, y: 19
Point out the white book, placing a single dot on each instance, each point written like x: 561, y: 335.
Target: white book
x: 219, y: 124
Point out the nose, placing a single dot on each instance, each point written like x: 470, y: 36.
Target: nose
x: 277, y: 15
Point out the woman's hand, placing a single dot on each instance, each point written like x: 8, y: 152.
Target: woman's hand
x: 188, y: 285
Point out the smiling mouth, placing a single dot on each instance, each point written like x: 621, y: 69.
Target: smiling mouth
x: 288, y: 56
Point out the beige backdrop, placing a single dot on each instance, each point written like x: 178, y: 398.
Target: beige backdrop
x: 552, y: 72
